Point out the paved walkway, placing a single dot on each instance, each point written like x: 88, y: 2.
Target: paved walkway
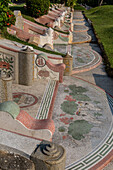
x: 82, y: 110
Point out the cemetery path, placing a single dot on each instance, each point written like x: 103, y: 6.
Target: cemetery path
x: 82, y: 103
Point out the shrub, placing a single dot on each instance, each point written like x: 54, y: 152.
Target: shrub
x: 7, y: 17
x: 37, y: 8
x: 70, y: 3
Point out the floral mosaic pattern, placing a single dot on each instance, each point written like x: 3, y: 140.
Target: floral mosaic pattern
x: 80, y: 113
x: 81, y: 56
x: 7, y: 63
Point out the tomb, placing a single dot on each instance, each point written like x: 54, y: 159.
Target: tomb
x: 30, y: 32
x: 32, y: 69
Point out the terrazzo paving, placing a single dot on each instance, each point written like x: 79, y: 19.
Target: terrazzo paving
x: 80, y: 28
x: 29, y: 97
x: 84, y: 57
x: 80, y: 37
x: 82, y: 113
x: 88, y: 146
x: 78, y: 15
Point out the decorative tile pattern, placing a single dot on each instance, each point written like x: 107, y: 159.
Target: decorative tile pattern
x: 46, y: 100
x: 24, y: 99
x: 93, y: 158
x: 85, y: 130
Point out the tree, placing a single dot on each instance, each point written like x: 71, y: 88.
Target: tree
x: 101, y: 2
x: 37, y: 8
x: 7, y: 17
x: 71, y: 3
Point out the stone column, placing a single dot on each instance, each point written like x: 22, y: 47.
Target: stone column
x: 5, y: 88
x: 26, y: 66
x: 70, y: 37
x: 68, y: 61
x: 49, y: 156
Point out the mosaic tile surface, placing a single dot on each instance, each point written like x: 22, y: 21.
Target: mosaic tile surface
x: 83, y: 122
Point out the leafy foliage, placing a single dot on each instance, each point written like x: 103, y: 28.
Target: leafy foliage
x: 7, y: 17
x: 94, y: 3
x: 71, y: 3
x: 37, y: 8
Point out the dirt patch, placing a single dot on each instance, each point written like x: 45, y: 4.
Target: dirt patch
x: 11, y: 161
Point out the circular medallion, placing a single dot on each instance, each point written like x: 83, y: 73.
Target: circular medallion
x: 24, y: 99
x: 40, y: 61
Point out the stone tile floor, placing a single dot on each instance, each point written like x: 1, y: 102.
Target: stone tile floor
x: 67, y: 108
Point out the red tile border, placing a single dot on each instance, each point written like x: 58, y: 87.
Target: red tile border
x: 35, y: 124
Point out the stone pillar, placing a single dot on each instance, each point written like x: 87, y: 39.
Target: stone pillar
x: 5, y: 88
x: 70, y: 37
x: 49, y: 156
x: 26, y: 66
x: 68, y: 61
x: 50, y: 32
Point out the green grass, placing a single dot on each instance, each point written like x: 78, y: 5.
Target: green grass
x: 102, y: 19
x: 79, y: 7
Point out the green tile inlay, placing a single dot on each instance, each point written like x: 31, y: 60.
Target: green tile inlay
x: 46, y: 101
x: 97, y: 157
x: 107, y: 151
x: 105, y: 146
x: 77, y: 167
x: 110, y: 140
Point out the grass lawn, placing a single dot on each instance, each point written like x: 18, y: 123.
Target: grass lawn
x: 102, y: 19
x: 79, y: 7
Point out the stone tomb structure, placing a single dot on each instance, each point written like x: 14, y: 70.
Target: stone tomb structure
x: 62, y: 22
x: 31, y: 32
x: 30, y: 67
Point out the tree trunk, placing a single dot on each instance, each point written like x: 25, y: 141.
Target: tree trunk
x: 101, y: 2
